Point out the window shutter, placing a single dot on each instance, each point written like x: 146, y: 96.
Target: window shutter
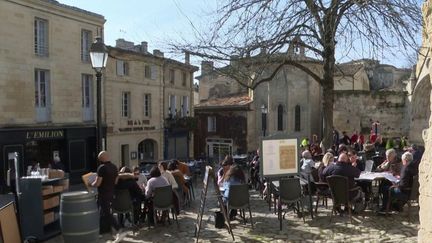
x: 154, y: 73
x: 120, y: 71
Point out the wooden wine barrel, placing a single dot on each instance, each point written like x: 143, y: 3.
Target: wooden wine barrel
x: 79, y: 217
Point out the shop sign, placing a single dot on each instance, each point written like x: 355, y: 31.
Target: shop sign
x: 130, y: 129
x: 46, y: 134
x: 138, y: 122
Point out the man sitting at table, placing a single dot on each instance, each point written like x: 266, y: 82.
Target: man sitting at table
x: 400, y: 191
x: 343, y: 167
x: 392, y: 164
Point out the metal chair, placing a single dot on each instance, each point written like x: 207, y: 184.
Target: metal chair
x: 238, y: 198
x: 289, y: 193
x: 122, y: 203
x: 322, y: 192
x: 340, y: 193
x: 163, y: 201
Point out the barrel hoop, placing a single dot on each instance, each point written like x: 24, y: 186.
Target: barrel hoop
x: 75, y: 201
x: 80, y: 233
x: 79, y: 214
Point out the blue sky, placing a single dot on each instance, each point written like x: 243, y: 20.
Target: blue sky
x: 157, y: 22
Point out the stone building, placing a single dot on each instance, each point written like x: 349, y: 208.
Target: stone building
x: 230, y: 116
x: 46, y: 84
x: 143, y: 91
x: 420, y: 92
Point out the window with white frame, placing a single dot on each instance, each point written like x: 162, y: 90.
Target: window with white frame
x: 126, y: 106
x: 42, y: 95
x: 211, y: 124
x: 147, y: 105
x: 41, y: 37
x: 122, y: 68
x: 172, y: 109
x: 86, y: 41
x: 171, y: 76
x: 185, y: 106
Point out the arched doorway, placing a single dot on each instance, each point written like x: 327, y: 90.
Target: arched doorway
x: 421, y: 111
x: 147, y: 150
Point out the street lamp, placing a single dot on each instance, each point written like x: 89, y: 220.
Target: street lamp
x: 98, y: 57
x: 264, y: 118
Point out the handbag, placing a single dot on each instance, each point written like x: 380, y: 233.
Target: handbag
x: 219, y: 220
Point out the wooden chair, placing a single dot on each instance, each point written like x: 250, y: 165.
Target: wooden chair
x: 322, y: 192
x: 238, y: 198
x: 289, y: 194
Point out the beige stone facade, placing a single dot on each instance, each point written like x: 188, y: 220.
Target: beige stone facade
x: 43, y: 63
x: 422, y: 96
x: 18, y: 60
x: 138, y: 91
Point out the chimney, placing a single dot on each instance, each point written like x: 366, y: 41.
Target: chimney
x: 158, y: 53
x: 206, y: 67
x: 187, y: 57
x: 144, y: 47
x: 123, y: 44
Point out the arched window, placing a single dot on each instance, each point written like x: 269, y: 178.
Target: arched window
x: 280, y: 118
x: 297, y: 118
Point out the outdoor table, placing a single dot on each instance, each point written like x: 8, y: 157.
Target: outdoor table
x: 377, y: 177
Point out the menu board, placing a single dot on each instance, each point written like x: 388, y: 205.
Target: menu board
x: 280, y: 157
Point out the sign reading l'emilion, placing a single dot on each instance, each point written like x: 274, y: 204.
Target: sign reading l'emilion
x: 45, y: 134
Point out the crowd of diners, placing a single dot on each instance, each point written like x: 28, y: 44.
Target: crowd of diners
x: 141, y: 190
x: 398, y: 158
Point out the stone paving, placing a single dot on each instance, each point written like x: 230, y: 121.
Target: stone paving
x: 371, y: 228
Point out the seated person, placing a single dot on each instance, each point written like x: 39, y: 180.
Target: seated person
x: 307, y: 165
x: 141, y: 179
x: 352, y: 154
x: 234, y: 176
x: 128, y: 182
x: 327, y: 160
x: 392, y: 163
x: 156, y: 180
x: 401, y: 190
x: 163, y: 166
x: 226, y: 164
x: 343, y: 167
x: 183, y: 167
x: 178, y: 175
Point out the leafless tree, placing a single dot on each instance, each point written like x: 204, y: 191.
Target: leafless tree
x: 243, y: 28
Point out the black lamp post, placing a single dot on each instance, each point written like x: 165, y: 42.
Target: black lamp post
x: 98, y: 57
x: 264, y: 118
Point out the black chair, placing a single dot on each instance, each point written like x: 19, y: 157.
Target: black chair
x: 238, y: 198
x: 340, y: 191
x: 163, y: 201
x: 322, y: 192
x: 122, y: 204
x: 290, y: 193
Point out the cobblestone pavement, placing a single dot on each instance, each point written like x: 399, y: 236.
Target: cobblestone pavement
x: 371, y: 228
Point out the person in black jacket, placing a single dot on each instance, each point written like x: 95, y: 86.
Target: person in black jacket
x: 401, y: 191
x: 126, y: 180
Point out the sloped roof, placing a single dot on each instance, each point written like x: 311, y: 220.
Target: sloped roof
x: 238, y: 100
x: 73, y: 8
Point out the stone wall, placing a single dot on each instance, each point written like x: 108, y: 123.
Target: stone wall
x: 425, y: 169
x: 354, y: 110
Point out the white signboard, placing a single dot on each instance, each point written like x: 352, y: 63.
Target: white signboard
x: 280, y: 156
